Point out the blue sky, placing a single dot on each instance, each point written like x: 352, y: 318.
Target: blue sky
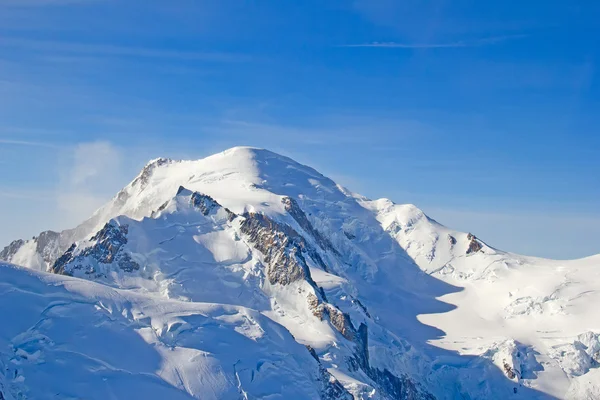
x: 484, y: 114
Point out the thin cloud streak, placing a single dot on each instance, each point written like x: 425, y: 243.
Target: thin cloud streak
x: 15, y: 193
x: 42, y: 3
x: 462, y: 43
x: 11, y: 142
x: 117, y: 51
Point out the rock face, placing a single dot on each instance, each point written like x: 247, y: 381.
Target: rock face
x: 285, y: 250
x: 451, y: 240
x: 9, y: 251
x: 285, y: 253
x: 474, y: 244
x: 106, y: 249
x: 395, y: 387
x: 203, y: 203
x: 143, y: 178
x: 281, y: 245
x: 292, y: 207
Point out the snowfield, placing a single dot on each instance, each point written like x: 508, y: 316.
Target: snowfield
x: 246, y: 275
x: 68, y: 338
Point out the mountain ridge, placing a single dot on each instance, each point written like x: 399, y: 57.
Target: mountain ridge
x: 370, y: 287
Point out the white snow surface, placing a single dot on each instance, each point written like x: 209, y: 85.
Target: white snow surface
x: 200, y: 319
x: 69, y: 338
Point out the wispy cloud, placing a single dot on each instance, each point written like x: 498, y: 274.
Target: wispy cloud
x: 111, y: 50
x: 92, y: 175
x: 37, y: 3
x: 11, y: 193
x: 461, y: 43
x: 11, y: 142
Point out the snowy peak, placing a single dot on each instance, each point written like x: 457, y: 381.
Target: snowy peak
x: 187, y: 201
x: 388, y: 302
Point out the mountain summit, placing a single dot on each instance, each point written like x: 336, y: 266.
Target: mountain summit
x: 249, y: 275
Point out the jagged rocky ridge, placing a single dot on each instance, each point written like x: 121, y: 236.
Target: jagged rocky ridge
x: 357, y: 281
x: 285, y: 254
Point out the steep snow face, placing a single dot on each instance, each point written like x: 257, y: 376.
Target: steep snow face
x: 390, y: 302
x: 193, y: 249
x: 70, y: 338
x: 242, y: 179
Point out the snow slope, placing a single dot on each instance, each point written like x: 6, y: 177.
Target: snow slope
x: 70, y: 338
x: 390, y: 302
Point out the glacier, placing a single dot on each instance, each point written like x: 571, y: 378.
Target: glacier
x: 246, y: 275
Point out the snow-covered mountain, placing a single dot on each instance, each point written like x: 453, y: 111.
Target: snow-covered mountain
x: 248, y: 275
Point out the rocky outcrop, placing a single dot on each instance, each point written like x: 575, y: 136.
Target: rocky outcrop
x: 349, y: 235
x: 474, y: 244
x: 509, y: 371
x: 204, y: 203
x: 281, y: 246
x: 331, y: 388
x: 46, y: 245
x: 361, y: 306
x: 393, y: 386
x: 451, y: 240
x: 107, y: 249
x: 144, y: 176
x: 292, y: 207
x: 284, y: 251
x: 9, y: 251
x: 207, y: 204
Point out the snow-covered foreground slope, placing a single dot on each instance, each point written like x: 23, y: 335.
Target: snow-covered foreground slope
x: 68, y: 338
x: 385, y: 302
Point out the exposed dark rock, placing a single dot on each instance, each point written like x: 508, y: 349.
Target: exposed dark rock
x: 452, y: 240
x: 362, y: 306
x: 107, y: 249
x: 340, y: 321
x: 315, y: 306
x: 292, y: 207
x: 312, y: 352
x: 398, y: 387
x: 109, y: 241
x: 282, y: 247
x: 47, y: 245
x: 362, y: 345
x: 144, y: 176
x: 59, y: 265
x: 349, y: 235
x: 204, y: 203
x: 332, y: 389
x: 509, y: 371
x: 9, y: 251
x: 395, y: 387
x: 159, y: 209
x: 45, y: 239
x: 323, y: 296
x: 474, y: 244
